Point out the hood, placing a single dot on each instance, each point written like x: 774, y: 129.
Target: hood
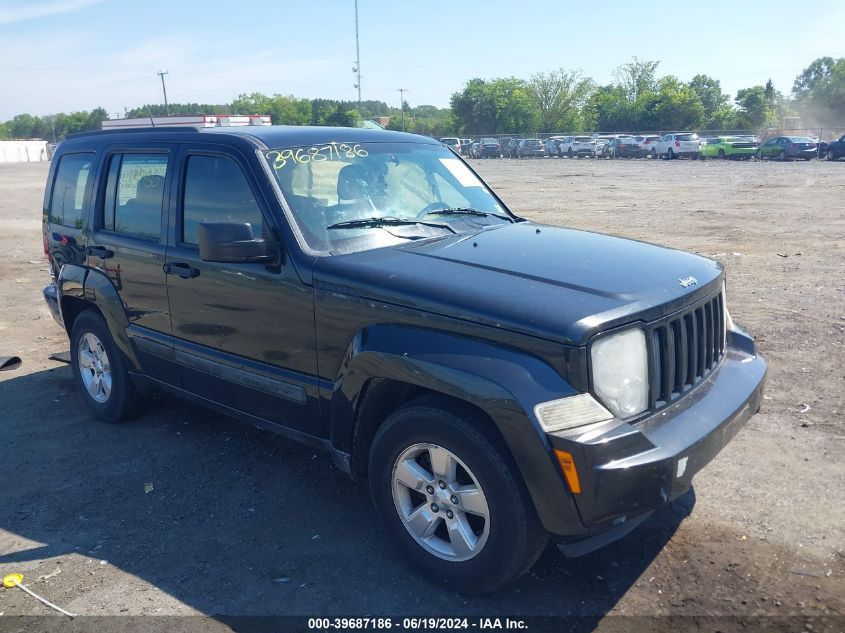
x: 556, y: 283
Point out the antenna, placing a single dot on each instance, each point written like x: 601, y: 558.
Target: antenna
x: 150, y: 114
x: 164, y: 90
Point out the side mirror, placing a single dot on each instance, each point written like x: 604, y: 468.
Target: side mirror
x: 231, y: 242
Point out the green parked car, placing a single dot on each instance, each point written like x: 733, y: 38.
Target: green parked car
x: 728, y: 147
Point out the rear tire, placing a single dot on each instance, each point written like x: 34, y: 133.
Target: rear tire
x: 722, y: 154
x: 429, y: 441
x: 99, y: 370
x: 670, y: 154
x: 782, y: 155
x: 830, y: 155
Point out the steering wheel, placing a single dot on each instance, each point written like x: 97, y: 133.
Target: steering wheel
x: 434, y: 206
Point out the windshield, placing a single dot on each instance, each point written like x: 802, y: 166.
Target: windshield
x: 420, y: 190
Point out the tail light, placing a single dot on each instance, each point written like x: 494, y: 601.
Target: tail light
x: 677, y: 143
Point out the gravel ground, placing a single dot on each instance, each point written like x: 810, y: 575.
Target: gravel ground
x: 186, y: 512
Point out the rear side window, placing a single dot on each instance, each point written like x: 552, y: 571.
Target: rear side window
x: 66, y: 205
x: 216, y: 190
x: 135, y: 194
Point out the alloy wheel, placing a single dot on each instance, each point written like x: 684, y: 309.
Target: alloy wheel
x: 440, y: 502
x: 94, y: 367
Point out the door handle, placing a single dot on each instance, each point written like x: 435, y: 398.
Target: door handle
x: 185, y: 271
x: 99, y: 251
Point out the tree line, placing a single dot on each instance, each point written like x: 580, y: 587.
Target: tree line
x: 284, y: 109
x: 561, y: 100
x: 639, y: 99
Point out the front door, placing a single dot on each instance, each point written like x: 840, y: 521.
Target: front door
x: 244, y: 333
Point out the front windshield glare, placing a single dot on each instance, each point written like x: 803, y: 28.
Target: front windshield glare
x: 421, y: 190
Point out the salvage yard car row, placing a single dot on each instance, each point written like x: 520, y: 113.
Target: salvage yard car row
x: 668, y: 146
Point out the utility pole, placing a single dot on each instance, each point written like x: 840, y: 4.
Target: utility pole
x: 164, y: 90
x: 402, y: 92
x: 357, y: 68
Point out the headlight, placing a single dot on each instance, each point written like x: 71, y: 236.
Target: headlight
x: 620, y: 372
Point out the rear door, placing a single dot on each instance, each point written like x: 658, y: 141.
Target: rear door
x: 243, y: 333
x: 128, y: 244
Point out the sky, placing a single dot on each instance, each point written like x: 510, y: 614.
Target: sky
x: 67, y: 55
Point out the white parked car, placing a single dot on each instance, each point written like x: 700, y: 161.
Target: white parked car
x: 601, y: 146
x: 678, y: 144
x: 648, y: 142
x: 452, y: 143
x: 577, y: 146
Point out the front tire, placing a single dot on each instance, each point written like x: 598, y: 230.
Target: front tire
x: 99, y: 370
x: 450, y: 497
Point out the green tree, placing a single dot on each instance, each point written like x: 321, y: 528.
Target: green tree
x: 502, y: 105
x: 284, y: 110
x: 179, y: 109
x: 559, y: 97
x: 637, y: 77
x: 23, y: 126
x: 712, y: 99
x: 673, y: 106
x: 820, y: 91
x: 760, y: 106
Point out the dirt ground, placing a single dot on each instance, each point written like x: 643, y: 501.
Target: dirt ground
x: 186, y: 512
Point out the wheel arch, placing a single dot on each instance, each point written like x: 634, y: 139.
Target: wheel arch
x: 388, y: 366
x: 80, y: 289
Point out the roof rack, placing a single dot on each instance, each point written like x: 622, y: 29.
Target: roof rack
x: 138, y: 130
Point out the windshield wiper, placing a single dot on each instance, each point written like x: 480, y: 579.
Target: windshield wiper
x: 467, y: 211
x: 364, y: 223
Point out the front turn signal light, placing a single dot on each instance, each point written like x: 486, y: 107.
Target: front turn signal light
x: 567, y: 465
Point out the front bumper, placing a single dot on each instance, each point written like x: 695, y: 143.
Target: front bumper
x: 627, y: 469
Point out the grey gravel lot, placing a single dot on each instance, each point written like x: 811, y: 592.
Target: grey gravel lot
x: 232, y: 509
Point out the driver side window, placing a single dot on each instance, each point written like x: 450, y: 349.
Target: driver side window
x: 216, y: 190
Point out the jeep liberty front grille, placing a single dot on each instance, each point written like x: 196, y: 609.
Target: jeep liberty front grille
x: 684, y: 349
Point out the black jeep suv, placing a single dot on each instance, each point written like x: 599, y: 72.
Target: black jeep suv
x: 498, y: 381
